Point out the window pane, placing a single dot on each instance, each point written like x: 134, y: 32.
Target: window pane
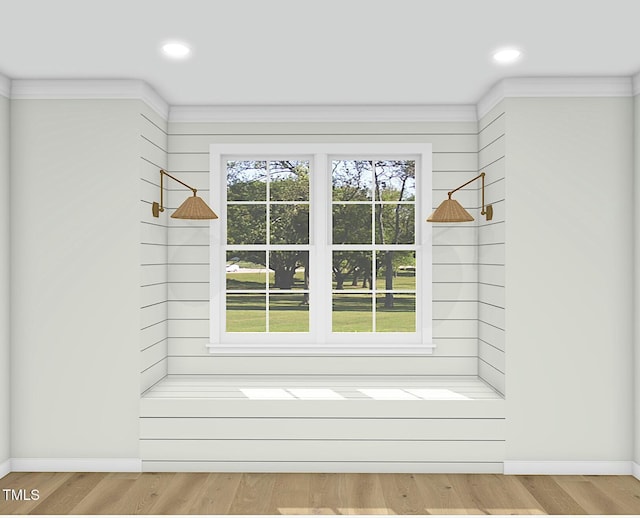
x: 246, y: 224
x: 351, y: 270
x: 351, y: 180
x: 395, y: 313
x: 289, y: 180
x: 395, y: 180
x: 352, y: 313
x: 395, y: 224
x: 289, y: 224
x: 396, y: 270
x: 246, y: 181
x: 246, y: 270
x: 287, y: 270
x: 351, y: 224
x: 288, y: 314
x: 246, y: 313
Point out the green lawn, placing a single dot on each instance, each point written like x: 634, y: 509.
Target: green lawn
x: 287, y: 313
x: 256, y: 281
x: 400, y: 282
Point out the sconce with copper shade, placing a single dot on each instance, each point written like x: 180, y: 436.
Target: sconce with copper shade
x: 450, y: 211
x: 193, y: 207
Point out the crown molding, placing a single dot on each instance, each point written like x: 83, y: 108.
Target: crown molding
x: 5, y: 86
x: 324, y: 113
x: 89, y: 89
x: 138, y: 89
x: 554, y: 87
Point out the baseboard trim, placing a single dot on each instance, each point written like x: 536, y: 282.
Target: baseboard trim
x: 322, y: 467
x: 5, y: 468
x: 77, y: 465
x: 635, y: 470
x: 568, y: 468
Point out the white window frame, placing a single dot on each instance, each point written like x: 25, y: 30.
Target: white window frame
x: 321, y: 340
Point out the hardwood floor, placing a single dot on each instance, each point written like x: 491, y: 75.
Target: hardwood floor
x: 318, y: 493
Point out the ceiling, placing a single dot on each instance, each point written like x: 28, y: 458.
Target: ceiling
x: 318, y: 52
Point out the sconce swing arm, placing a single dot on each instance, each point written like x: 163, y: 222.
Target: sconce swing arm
x: 157, y: 208
x: 486, y: 211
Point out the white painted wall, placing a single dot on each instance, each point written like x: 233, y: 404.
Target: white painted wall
x: 569, y: 272
x: 75, y: 251
x: 5, y: 277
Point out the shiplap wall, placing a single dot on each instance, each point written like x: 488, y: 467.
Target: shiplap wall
x: 455, y: 250
x: 154, y: 241
x: 491, y: 250
x: 636, y: 263
x: 5, y: 277
x: 190, y: 424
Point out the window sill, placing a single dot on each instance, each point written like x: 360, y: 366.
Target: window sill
x: 314, y: 350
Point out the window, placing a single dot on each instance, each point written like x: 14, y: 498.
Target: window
x: 321, y: 248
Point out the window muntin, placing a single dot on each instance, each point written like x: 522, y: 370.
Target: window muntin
x: 267, y: 252
x: 373, y: 237
x: 411, y: 290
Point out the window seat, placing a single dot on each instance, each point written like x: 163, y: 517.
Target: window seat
x: 313, y: 387
x: 322, y: 424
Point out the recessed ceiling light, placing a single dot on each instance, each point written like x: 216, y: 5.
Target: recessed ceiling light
x: 176, y: 50
x: 507, y: 55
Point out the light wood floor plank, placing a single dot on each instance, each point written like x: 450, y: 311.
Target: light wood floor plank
x: 254, y: 494
x: 552, y: 498
x: 217, y: 494
x: 401, y: 494
x: 440, y: 496
x: 45, y: 483
x: 360, y: 494
x: 626, y: 490
x: 291, y: 494
x: 142, y: 494
x: 317, y: 493
x: 323, y: 493
x: 103, y: 496
x: 591, y: 498
x: 491, y: 494
x: 69, y: 494
x: 180, y: 494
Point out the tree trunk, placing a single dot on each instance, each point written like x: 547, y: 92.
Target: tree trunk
x: 284, y: 278
x: 305, y: 298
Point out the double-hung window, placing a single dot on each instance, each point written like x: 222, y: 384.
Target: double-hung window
x: 321, y: 248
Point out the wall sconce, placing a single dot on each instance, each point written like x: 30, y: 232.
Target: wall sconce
x: 450, y: 211
x: 193, y: 207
